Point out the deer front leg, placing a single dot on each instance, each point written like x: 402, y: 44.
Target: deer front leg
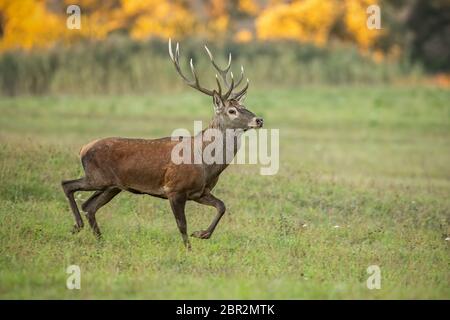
x: 178, y: 203
x: 209, y: 200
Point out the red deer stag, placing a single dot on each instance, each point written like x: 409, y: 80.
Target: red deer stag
x: 143, y: 166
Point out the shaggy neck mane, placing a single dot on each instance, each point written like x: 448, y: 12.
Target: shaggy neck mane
x: 216, y: 124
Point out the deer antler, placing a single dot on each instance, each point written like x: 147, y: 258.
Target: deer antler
x: 222, y: 72
x: 194, y: 84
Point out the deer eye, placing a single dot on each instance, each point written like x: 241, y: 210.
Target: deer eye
x: 231, y: 111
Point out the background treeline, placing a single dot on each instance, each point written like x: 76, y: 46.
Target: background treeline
x: 120, y: 65
x: 122, y: 45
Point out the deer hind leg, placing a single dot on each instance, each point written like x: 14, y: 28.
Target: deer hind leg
x: 178, y: 204
x: 94, y: 196
x: 70, y: 187
x: 209, y: 200
x: 94, y: 203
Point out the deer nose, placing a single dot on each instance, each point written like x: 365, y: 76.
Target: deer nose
x: 259, y: 122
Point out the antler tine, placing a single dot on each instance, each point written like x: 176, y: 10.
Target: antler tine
x: 197, y: 83
x: 242, y: 92
x: 240, y: 79
x: 230, y: 89
x: 174, y: 59
x: 223, y: 72
x: 193, y: 71
x: 194, y: 84
x: 170, y: 49
x: 218, y: 85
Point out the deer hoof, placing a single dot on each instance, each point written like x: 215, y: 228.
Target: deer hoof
x: 202, y: 234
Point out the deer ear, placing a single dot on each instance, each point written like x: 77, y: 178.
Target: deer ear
x: 218, y: 103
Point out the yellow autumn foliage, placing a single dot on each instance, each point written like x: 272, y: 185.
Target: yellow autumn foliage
x: 250, y: 7
x: 29, y: 24
x: 243, y: 35
x: 41, y: 23
x: 356, y: 22
x: 302, y: 20
x: 98, y: 24
x: 216, y: 21
x: 156, y: 18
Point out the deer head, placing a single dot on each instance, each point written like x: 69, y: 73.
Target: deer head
x: 229, y: 110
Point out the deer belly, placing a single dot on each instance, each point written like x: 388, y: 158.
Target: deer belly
x: 141, y: 180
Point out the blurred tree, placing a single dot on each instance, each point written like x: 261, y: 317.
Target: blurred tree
x: 28, y: 23
x: 429, y: 24
x: 301, y: 20
x: 355, y: 17
x: 156, y: 18
x: 418, y: 27
x: 317, y: 21
x: 98, y: 18
x: 217, y: 19
x: 250, y: 7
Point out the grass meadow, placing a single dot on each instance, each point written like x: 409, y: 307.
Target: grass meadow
x: 374, y: 161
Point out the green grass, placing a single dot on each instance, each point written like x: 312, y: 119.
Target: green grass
x: 375, y: 161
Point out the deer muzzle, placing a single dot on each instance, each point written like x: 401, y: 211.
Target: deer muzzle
x: 256, y: 123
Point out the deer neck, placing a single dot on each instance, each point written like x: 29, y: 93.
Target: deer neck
x: 229, y: 142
